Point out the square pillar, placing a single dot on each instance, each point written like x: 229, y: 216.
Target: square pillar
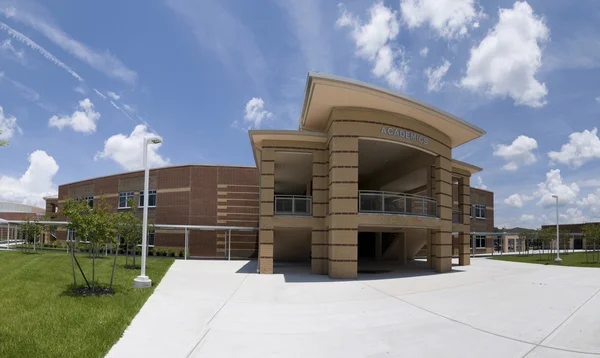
x: 343, y: 207
x: 267, y: 202
x: 464, y: 206
x: 441, y: 240
x: 320, y: 183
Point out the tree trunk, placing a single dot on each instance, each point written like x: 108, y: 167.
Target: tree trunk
x: 93, y: 267
x: 112, y: 276
x: 73, y: 266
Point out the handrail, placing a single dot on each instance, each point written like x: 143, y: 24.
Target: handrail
x: 386, y: 202
x: 294, y: 205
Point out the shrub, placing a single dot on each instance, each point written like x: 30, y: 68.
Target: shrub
x: 170, y: 252
x: 151, y: 251
x: 181, y: 252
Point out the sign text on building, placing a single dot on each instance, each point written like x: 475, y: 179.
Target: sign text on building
x: 404, y: 134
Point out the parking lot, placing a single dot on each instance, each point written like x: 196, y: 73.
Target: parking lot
x: 491, y: 308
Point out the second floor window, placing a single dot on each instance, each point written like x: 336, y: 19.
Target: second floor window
x: 90, y: 200
x: 480, y: 211
x: 151, y: 196
x: 124, y: 199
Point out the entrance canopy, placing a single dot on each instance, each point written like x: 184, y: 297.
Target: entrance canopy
x: 325, y: 92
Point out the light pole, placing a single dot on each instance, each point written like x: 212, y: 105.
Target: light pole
x: 142, y: 280
x: 557, y: 260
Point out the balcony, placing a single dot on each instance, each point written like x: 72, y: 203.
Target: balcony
x: 293, y: 205
x: 385, y: 202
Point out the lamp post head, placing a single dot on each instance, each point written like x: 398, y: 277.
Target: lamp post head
x: 154, y: 140
x: 555, y: 196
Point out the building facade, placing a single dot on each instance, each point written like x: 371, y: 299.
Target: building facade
x: 180, y: 195
x: 368, y: 176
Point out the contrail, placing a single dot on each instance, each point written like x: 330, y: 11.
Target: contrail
x: 29, y: 42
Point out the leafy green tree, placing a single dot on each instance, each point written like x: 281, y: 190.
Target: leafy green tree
x: 545, y: 238
x: 96, y: 226
x: 3, y: 143
x: 591, y: 233
x: 31, y: 233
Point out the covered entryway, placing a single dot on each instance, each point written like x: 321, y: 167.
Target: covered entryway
x: 292, y: 248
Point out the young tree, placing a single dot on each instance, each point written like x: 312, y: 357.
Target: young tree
x: 96, y: 226
x: 591, y: 233
x: 3, y: 143
x: 545, y: 237
x: 31, y: 232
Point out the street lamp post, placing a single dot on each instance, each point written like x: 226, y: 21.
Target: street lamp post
x: 142, y: 280
x: 557, y: 260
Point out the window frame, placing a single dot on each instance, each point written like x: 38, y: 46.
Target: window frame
x: 480, y: 211
x: 478, y: 240
x: 150, y: 193
x: 127, y: 195
x: 90, y: 200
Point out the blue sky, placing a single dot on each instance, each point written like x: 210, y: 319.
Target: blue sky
x: 81, y: 82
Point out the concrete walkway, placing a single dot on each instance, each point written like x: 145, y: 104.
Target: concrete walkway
x: 489, y: 309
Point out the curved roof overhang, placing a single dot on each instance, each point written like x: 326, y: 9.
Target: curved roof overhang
x: 257, y: 137
x: 325, y: 92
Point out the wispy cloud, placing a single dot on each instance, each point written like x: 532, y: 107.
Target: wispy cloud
x: 29, y: 42
x: 113, y: 95
x: 7, y: 48
x: 104, y: 62
x: 122, y: 111
x: 100, y: 94
x: 25, y: 91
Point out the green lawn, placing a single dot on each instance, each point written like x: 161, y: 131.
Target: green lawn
x: 570, y: 259
x: 39, y: 317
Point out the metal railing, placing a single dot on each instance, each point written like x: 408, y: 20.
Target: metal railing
x: 294, y: 205
x: 386, y: 202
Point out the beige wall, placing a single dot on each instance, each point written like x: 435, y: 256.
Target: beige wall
x: 292, y: 245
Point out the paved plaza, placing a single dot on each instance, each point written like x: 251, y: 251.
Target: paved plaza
x: 488, y: 309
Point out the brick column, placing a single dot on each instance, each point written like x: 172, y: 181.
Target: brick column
x: 320, y: 181
x: 343, y: 207
x: 464, y: 205
x: 441, y: 241
x: 267, y: 202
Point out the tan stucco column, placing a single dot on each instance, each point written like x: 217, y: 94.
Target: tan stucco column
x: 267, y: 199
x: 464, y: 205
x: 441, y: 241
x: 430, y: 233
x: 343, y: 206
x: 320, y: 181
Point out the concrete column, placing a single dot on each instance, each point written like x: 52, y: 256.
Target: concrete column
x: 267, y: 202
x: 464, y: 205
x: 378, y: 246
x: 320, y: 182
x: 441, y: 240
x: 343, y: 205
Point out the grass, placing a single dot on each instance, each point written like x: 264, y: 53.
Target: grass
x: 39, y: 317
x: 571, y: 259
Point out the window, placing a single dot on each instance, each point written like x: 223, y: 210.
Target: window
x: 150, y: 239
x: 151, y: 201
x: 479, y: 242
x: 124, y: 199
x: 470, y: 210
x: 480, y: 211
x: 90, y: 200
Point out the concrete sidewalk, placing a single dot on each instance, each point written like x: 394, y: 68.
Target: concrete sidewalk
x: 491, y: 308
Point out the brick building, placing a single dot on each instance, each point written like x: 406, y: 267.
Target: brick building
x: 368, y: 176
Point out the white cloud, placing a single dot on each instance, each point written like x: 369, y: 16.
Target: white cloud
x: 79, y: 89
x: 27, y: 41
x: 567, y: 193
x: 589, y: 183
x: 82, y: 119
x: 517, y: 200
x: 450, y: 19
x: 8, y: 125
x: 582, y: 147
x: 113, y: 95
x: 506, y: 60
x: 128, y: 108
x: 255, y: 112
x: 479, y: 183
x: 526, y: 218
x: 435, y: 75
x: 100, y: 94
x: 373, y: 43
x: 519, y: 152
x: 572, y: 216
x: 598, y: 98
x: 34, y: 184
x: 7, y: 48
x: 102, y: 61
x: 424, y: 52
x: 592, y: 204
x: 127, y: 150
